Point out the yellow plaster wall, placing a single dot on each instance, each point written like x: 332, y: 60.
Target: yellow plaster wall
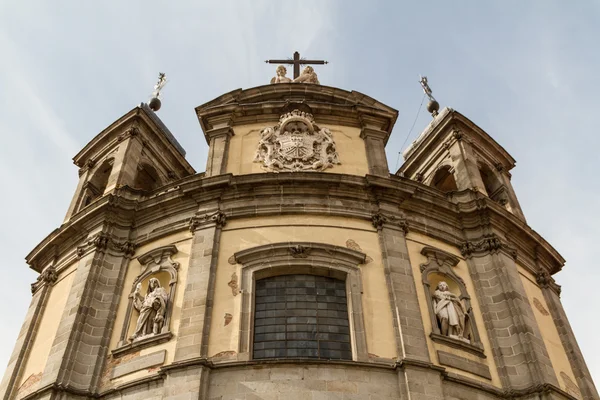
x: 247, y: 233
x: 415, y: 243
x: 42, y: 343
x: 552, y: 341
x: 350, y: 148
x: 183, y: 241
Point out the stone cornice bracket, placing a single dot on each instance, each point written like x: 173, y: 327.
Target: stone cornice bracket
x: 89, y: 164
x: 546, y: 281
x: 48, y: 277
x: 217, y: 218
x: 380, y: 220
x: 490, y: 243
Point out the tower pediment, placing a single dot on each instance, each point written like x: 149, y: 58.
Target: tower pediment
x: 329, y: 105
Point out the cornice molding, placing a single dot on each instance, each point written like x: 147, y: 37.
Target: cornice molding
x: 407, y: 206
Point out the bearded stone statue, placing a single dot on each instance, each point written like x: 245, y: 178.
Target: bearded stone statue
x: 152, y: 308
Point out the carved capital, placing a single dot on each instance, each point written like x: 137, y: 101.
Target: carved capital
x: 218, y: 218
x: 546, y: 281
x: 48, y: 276
x: 299, y: 251
x: 379, y: 220
x: 133, y: 131
x: 126, y: 247
x: 419, y: 177
x: 489, y: 244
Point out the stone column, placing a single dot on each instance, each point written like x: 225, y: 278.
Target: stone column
x: 551, y: 293
x: 199, y: 289
x: 375, y: 136
x: 80, y: 347
x: 186, y: 383
x: 26, y: 338
x: 219, y: 139
x: 517, y: 344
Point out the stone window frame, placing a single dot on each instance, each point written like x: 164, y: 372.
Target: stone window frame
x: 442, y: 262
x: 152, y: 262
x: 290, y: 258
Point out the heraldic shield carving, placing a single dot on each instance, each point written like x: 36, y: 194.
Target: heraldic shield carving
x: 296, y: 143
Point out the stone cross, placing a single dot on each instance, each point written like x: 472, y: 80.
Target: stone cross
x: 296, y: 62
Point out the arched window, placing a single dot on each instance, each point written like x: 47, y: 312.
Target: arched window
x: 493, y: 187
x: 146, y: 178
x: 443, y: 179
x: 95, y: 187
x: 301, y: 300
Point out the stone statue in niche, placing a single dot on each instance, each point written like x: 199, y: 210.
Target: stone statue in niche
x: 451, y: 313
x: 281, y: 78
x: 152, y: 309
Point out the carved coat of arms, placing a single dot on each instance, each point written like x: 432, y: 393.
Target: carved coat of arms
x: 296, y: 143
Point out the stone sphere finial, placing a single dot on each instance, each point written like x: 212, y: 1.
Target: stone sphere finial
x: 433, y: 107
x: 154, y: 104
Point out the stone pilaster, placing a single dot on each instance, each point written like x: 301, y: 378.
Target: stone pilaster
x: 81, y: 343
x: 408, y: 322
x: 375, y: 146
x: 420, y: 382
x: 219, y: 139
x: 189, y: 383
x: 24, y: 342
x: 517, y: 345
x: 582, y: 374
x: 199, y: 291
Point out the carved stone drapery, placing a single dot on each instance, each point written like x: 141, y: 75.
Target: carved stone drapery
x: 218, y: 218
x: 152, y: 262
x: 296, y: 143
x: 443, y: 263
x: 488, y: 244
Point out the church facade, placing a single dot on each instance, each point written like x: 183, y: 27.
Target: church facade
x: 296, y: 266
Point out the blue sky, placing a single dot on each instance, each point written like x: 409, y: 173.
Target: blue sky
x: 526, y: 72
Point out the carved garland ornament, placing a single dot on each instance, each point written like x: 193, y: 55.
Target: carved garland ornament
x: 295, y: 144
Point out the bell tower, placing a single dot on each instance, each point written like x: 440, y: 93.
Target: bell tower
x: 453, y: 153
x: 137, y: 151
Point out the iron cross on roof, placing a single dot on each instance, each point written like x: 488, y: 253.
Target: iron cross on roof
x: 296, y: 62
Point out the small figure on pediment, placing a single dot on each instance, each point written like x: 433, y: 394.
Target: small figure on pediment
x: 281, y: 78
x: 152, y: 309
x: 451, y: 313
x: 308, y: 75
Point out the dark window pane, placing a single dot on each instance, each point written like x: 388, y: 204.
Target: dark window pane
x: 301, y: 316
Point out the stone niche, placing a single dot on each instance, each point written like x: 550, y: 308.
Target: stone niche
x: 448, y: 302
x: 148, y: 318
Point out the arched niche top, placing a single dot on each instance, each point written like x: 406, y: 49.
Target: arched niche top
x: 441, y: 257
x: 159, y: 259
x: 300, y: 253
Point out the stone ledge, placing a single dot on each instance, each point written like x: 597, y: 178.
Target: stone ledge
x: 464, y: 364
x: 141, y: 344
x: 139, y: 363
x: 457, y: 344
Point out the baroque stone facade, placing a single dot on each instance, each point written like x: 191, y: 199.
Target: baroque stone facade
x: 296, y: 266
